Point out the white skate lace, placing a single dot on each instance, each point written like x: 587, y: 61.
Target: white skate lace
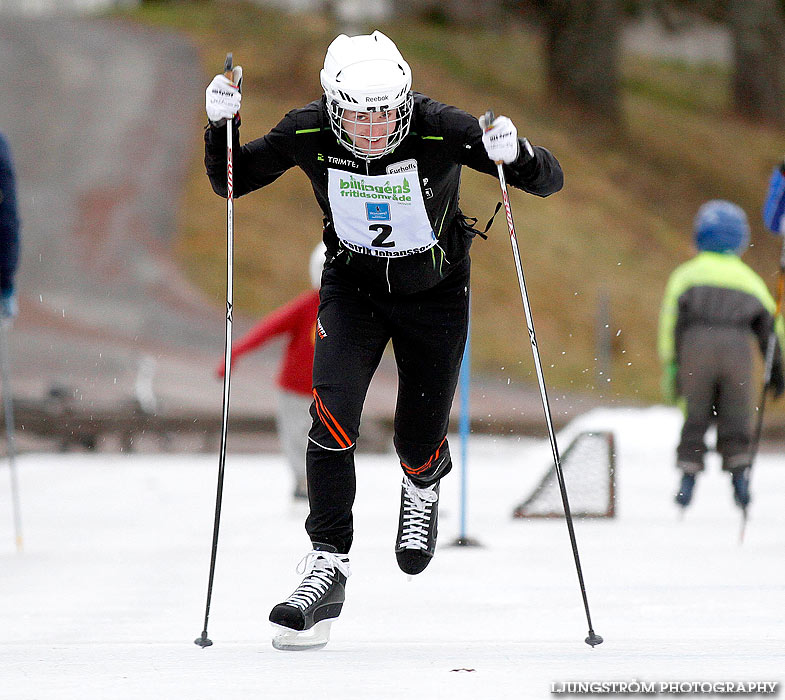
x: 417, y: 505
x: 321, y: 568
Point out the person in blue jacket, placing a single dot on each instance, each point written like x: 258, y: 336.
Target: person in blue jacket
x: 9, y: 234
x: 774, y: 207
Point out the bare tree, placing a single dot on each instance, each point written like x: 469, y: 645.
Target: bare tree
x: 486, y: 12
x: 758, y: 28
x: 582, y: 54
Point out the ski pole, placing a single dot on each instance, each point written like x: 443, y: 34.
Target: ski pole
x: 10, y: 430
x: 203, y: 640
x: 593, y: 639
x: 464, y: 428
x: 465, y: 425
x: 771, y: 348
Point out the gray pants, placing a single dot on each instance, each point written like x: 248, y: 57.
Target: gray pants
x: 715, y: 375
x: 294, y: 422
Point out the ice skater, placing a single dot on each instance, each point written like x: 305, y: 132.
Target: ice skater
x: 774, y: 206
x: 297, y: 321
x: 9, y: 235
x: 713, y: 305
x: 385, y: 165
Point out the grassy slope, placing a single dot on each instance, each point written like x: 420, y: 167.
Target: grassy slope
x: 618, y: 228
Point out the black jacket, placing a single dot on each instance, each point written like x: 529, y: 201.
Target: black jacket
x: 441, y: 140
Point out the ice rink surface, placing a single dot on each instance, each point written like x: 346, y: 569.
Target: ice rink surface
x: 108, y: 594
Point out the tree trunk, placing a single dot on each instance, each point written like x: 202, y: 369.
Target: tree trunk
x: 757, y: 28
x: 483, y: 13
x: 582, y: 45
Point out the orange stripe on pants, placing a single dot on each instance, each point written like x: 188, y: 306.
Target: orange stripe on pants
x: 330, y: 423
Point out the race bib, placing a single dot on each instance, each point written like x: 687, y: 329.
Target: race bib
x: 382, y: 215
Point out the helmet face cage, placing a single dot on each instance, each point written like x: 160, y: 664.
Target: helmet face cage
x: 382, y: 128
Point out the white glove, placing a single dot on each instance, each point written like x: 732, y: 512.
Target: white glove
x: 223, y: 96
x: 500, y: 140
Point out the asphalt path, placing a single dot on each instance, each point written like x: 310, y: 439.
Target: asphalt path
x: 103, y: 118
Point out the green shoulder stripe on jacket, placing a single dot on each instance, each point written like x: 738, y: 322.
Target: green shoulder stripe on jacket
x: 708, y: 269
x: 427, y: 138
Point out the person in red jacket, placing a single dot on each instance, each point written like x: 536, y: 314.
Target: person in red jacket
x: 297, y: 320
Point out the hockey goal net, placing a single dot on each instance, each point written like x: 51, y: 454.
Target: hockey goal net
x: 588, y: 466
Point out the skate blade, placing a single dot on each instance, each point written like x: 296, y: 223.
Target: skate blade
x: 286, y: 639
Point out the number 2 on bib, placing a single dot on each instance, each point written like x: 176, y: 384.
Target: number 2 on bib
x: 384, y: 230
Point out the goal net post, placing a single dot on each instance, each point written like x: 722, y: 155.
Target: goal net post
x: 589, y: 469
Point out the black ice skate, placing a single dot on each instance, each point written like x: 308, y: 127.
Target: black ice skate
x: 303, y: 620
x: 417, y: 526
x: 684, y: 495
x: 741, y: 487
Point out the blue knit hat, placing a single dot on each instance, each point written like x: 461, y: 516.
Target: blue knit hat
x: 721, y: 227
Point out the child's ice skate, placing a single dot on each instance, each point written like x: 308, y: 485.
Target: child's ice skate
x: 684, y: 495
x: 741, y: 487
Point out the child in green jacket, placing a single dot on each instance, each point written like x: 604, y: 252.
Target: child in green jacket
x: 713, y: 305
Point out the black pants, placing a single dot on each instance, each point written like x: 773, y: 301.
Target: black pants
x: 428, y: 333
x: 715, y: 377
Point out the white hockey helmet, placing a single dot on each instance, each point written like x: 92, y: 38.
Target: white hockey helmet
x: 366, y: 74
x: 316, y: 265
